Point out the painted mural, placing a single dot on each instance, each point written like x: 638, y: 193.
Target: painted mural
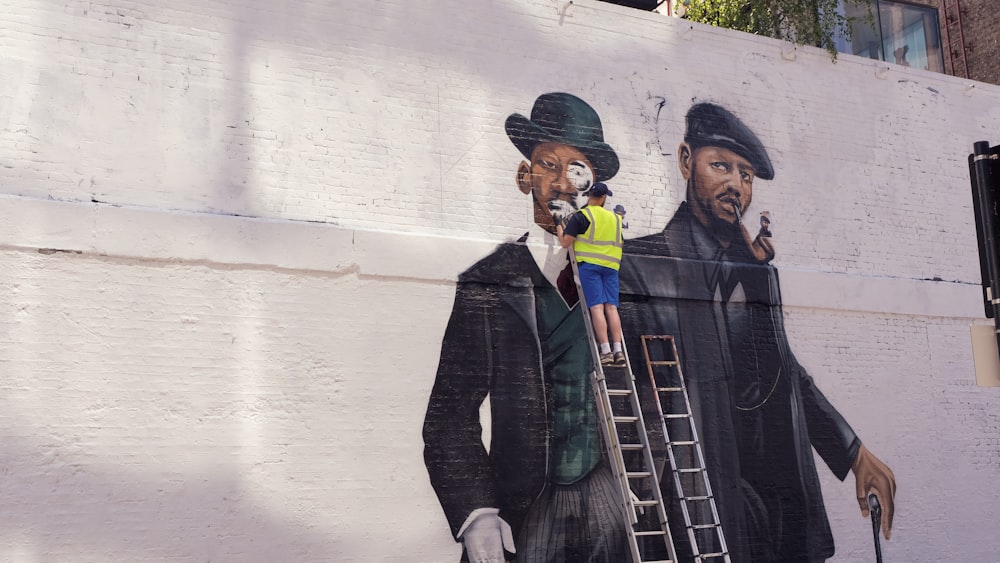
x: 706, y: 280
x: 542, y: 491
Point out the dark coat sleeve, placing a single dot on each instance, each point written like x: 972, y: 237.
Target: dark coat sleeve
x: 454, y: 454
x: 829, y: 433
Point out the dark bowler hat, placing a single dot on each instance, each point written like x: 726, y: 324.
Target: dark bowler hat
x: 563, y: 118
x: 709, y: 125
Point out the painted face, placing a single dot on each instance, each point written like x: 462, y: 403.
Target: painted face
x: 722, y: 184
x: 559, y: 174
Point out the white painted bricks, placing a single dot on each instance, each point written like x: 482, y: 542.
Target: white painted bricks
x: 231, y: 231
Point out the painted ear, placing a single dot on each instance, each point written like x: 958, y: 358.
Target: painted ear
x: 524, y: 178
x: 684, y: 160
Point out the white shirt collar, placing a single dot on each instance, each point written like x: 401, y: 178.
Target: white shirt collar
x: 550, y: 256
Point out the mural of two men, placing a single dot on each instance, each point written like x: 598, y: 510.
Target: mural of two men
x: 543, y: 492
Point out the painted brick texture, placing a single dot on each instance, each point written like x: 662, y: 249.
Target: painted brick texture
x: 232, y: 230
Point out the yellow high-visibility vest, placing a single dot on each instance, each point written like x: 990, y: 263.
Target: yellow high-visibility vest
x: 601, y: 243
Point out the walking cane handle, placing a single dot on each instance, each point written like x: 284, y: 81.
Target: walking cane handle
x: 876, y: 513
x: 876, y: 508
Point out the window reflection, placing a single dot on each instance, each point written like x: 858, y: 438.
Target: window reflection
x: 904, y: 34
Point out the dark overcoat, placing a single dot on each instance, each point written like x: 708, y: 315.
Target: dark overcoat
x: 670, y: 285
x: 490, y: 348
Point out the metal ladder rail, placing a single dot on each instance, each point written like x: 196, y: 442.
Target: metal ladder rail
x: 955, y: 43
x: 700, y: 468
x: 615, y: 449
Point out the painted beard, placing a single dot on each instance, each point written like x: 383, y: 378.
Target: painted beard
x: 581, y: 178
x: 562, y: 209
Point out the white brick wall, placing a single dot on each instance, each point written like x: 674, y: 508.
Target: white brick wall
x: 229, y: 355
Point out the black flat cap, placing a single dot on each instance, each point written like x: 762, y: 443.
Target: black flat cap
x: 710, y: 125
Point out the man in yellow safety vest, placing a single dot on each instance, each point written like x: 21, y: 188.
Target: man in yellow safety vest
x: 596, y: 236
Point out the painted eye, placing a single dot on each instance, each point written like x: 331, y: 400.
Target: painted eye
x: 580, y: 176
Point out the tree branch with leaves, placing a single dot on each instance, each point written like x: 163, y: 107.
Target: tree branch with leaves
x: 804, y: 22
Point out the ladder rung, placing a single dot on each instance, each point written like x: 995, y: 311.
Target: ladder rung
x: 619, y: 392
x: 626, y: 418
x: 632, y: 447
x: 673, y: 382
x: 658, y: 561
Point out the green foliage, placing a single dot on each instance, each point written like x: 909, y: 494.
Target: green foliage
x: 806, y: 22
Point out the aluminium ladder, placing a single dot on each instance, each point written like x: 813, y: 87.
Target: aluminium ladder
x: 687, y: 460
x: 628, y: 449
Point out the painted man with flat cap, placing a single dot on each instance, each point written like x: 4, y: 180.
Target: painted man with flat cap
x: 542, y: 491
x: 706, y: 280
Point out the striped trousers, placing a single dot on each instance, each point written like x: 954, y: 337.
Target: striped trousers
x: 579, y: 523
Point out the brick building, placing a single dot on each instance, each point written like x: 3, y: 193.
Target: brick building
x: 957, y: 37
x: 972, y: 29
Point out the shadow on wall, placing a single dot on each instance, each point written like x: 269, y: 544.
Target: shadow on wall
x: 97, y: 511
x: 122, y: 458
x: 218, y: 125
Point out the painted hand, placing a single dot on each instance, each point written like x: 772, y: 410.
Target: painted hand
x: 635, y: 499
x: 486, y: 539
x: 873, y: 476
x: 761, y: 248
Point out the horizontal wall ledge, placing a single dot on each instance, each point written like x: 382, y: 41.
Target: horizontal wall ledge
x: 162, y: 235
x: 904, y: 296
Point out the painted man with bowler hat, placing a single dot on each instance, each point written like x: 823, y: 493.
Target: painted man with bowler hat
x: 707, y: 281
x: 542, y: 492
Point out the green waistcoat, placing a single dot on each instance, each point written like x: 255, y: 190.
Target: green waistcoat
x: 575, y: 446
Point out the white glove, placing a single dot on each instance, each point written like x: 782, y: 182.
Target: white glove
x: 486, y: 538
x: 635, y: 499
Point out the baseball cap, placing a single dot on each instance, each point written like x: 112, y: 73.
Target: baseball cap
x: 599, y: 189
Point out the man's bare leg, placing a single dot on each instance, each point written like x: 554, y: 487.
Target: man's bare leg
x: 614, y: 322
x: 600, y: 324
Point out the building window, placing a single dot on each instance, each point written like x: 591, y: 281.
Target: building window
x: 904, y: 34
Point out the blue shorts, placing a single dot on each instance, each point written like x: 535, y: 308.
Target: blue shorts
x: 600, y: 284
